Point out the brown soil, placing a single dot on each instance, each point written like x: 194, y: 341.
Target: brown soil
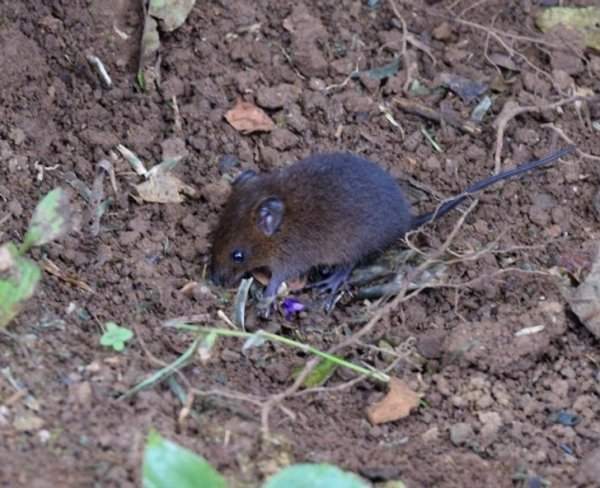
x: 490, y: 392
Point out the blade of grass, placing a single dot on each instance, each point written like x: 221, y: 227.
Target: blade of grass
x: 165, y: 372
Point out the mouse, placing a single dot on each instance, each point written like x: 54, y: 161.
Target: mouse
x: 333, y: 209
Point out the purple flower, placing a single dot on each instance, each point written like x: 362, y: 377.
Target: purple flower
x: 291, y: 306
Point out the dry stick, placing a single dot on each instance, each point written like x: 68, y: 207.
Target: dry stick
x: 414, y: 107
x: 368, y: 327
x: 408, y: 65
x: 567, y: 139
x: 511, y: 109
x: 498, y: 37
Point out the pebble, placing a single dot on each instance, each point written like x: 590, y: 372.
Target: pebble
x: 589, y: 469
x: 15, y: 208
x: 461, y: 433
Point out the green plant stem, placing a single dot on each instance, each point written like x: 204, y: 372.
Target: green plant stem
x: 166, y: 371
x: 24, y: 248
x: 377, y: 375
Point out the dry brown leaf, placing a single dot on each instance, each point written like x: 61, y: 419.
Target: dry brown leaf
x: 67, y: 277
x: 164, y: 188
x: 397, y: 404
x: 585, y: 300
x: 247, y: 118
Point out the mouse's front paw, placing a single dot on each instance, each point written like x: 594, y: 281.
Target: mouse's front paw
x: 265, y: 306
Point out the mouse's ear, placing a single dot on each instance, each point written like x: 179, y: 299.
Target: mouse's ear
x: 244, y: 176
x: 270, y: 215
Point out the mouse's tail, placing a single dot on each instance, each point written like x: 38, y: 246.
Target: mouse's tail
x: 452, y: 203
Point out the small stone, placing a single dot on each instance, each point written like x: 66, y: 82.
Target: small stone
x: 539, y: 216
x: 15, y: 208
x: 491, y: 425
x: 28, y: 422
x: 17, y: 136
x: 269, y: 156
x: 283, y: 139
x: 461, y: 433
x: 442, y: 385
x: 316, y: 84
x: 195, y: 226
x: 431, y: 435
x: 458, y: 401
x: 81, y: 393
x: 128, y: 238
x: 565, y: 61
x: 442, y: 32
x: 560, y: 388
x: 202, y: 293
x: 563, y: 80
x: 278, y: 96
x: 534, y: 84
x: 5, y: 151
x: 553, y: 231
x: 413, y: 141
x: 454, y: 55
x: 431, y: 346
x: 370, y: 83
x: 475, y: 153
x: 17, y: 163
x: 589, y: 469
x: 216, y: 193
x: 527, y: 136
x: 355, y: 104
x: 432, y: 163
x: 172, y: 87
x: 485, y: 401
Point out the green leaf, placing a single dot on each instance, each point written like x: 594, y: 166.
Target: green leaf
x: 314, y: 476
x: 115, y: 336
x: 382, y: 72
x: 168, y: 465
x: 21, y: 278
x: 50, y: 220
x: 319, y: 375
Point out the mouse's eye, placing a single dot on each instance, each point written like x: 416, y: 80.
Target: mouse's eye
x: 237, y: 256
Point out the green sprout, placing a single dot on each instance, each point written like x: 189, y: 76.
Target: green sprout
x: 115, y: 336
x: 19, y: 276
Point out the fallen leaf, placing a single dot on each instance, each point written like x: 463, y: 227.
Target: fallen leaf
x: 246, y: 118
x: 164, y: 188
x: 586, y: 20
x: 70, y: 278
x: 170, y: 13
x: 397, y: 404
x: 585, y: 299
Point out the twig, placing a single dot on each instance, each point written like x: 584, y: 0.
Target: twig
x: 511, y: 109
x: 409, y: 66
x: 176, y: 116
x: 566, y: 138
x: 416, y: 108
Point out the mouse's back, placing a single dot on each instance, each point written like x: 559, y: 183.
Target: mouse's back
x: 351, y: 207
